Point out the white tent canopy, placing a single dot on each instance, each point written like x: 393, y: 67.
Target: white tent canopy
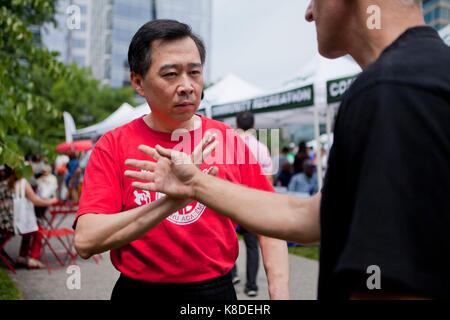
x: 124, y: 114
x: 230, y: 88
x: 316, y: 72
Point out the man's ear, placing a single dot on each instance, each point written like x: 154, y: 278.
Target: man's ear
x: 137, y: 82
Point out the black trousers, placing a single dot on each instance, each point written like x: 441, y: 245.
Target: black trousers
x: 251, y: 243
x: 210, y: 290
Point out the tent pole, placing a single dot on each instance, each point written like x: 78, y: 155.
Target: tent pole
x: 319, y: 147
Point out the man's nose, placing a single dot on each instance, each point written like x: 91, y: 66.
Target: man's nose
x: 309, y: 14
x: 185, y: 87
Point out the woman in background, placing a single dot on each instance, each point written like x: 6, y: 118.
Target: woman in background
x: 30, y: 248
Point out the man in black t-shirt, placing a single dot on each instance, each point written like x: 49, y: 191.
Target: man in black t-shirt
x: 383, y: 215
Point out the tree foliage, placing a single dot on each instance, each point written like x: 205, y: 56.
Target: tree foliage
x: 35, y: 87
x: 19, y: 54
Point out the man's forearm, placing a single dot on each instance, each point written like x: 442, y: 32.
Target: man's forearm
x: 276, y: 264
x: 266, y: 213
x: 97, y: 233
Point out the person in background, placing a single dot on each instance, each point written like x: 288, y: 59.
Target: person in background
x: 83, y: 163
x: 291, y: 154
x: 37, y: 165
x: 310, y: 152
x: 300, y: 157
x: 285, y: 175
x: 6, y: 207
x: 281, y: 159
x: 305, y: 181
x: 30, y: 247
x: 72, y: 184
x: 245, y: 122
x: 60, y: 169
x: 47, y: 183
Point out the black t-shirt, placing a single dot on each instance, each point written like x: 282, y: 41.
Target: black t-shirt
x: 386, y: 196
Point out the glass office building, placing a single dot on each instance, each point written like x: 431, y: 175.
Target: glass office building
x: 107, y: 26
x: 436, y: 13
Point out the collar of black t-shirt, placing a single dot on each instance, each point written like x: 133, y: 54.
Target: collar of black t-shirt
x: 412, y: 34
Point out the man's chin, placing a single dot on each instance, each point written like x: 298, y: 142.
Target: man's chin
x: 330, y: 53
x: 183, y: 116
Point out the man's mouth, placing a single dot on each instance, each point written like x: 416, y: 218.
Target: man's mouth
x: 184, y: 104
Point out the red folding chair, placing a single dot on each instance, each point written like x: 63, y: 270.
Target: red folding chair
x: 65, y: 253
x: 4, y: 238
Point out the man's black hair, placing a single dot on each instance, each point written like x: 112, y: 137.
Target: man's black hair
x: 245, y: 120
x: 139, y: 52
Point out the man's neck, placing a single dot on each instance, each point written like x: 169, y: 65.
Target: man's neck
x: 164, y: 126
x: 368, y: 44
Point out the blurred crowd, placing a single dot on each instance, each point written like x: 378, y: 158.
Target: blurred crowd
x: 297, y: 168
x: 62, y: 179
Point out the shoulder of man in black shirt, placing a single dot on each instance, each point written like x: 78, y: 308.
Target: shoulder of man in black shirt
x: 386, y: 197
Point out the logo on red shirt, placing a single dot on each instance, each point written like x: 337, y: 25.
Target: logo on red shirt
x: 187, y: 215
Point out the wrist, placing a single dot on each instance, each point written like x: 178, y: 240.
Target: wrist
x: 196, y: 183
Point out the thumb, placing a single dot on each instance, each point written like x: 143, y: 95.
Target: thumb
x: 213, y: 171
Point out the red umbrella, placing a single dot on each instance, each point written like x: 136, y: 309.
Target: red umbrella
x: 77, y: 146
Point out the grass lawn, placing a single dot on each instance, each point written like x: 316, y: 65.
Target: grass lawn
x: 8, y: 290
x: 310, y: 252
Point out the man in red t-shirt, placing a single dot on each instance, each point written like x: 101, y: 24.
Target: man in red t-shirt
x: 168, y: 247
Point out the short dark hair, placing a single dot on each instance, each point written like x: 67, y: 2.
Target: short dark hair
x: 245, y: 120
x: 139, y: 52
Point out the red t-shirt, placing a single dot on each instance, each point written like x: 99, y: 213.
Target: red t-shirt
x: 193, y: 244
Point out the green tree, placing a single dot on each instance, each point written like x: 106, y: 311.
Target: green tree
x: 82, y: 96
x: 18, y: 56
x: 35, y: 88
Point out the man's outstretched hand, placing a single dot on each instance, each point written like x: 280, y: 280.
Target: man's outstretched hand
x: 173, y: 172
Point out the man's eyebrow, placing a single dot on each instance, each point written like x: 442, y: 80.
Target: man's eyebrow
x: 177, y: 66
x: 169, y: 66
x: 195, y: 65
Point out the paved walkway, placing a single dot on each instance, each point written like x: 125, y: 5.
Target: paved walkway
x: 97, y: 280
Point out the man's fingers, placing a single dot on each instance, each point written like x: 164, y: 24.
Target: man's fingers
x: 140, y: 175
x: 207, y: 143
x: 167, y: 153
x: 140, y: 164
x: 199, y: 148
x: 144, y: 186
x: 209, y: 149
x: 149, y: 151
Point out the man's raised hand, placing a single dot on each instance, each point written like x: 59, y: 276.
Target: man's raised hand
x: 173, y: 171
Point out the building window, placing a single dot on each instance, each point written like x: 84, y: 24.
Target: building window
x: 83, y: 9
x: 79, y: 43
x: 107, y: 69
x: 79, y: 60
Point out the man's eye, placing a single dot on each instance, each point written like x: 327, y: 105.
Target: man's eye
x: 195, y: 72
x: 170, y: 74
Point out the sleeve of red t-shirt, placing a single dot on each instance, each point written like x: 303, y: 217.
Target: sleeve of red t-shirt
x: 101, y: 191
